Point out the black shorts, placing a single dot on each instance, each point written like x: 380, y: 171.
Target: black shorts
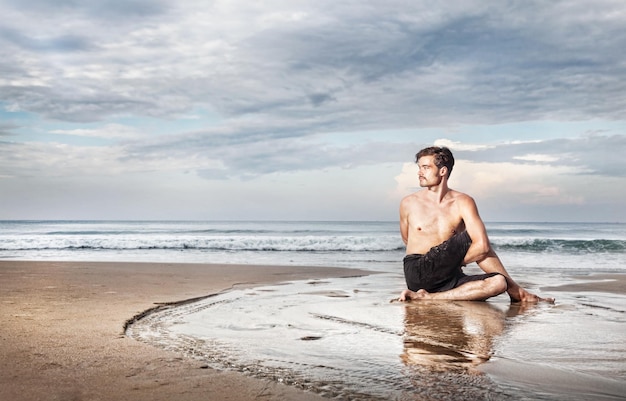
x: 440, y: 269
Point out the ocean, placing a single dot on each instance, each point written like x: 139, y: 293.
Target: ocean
x: 556, y: 247
x: 344, y: 338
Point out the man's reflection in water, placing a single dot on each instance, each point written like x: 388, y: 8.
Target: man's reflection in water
x: 453, y: 336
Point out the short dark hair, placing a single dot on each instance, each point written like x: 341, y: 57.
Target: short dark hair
x: 443, y: 157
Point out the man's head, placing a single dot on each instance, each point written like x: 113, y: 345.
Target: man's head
x: 442, y: 157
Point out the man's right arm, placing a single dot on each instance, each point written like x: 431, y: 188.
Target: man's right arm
x: 404, y: 221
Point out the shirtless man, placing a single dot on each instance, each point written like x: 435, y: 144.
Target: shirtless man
x: 443, y: 232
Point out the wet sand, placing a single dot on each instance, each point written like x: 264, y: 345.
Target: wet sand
x: 62, y: 334
x: 343, y: 339
x: 578, y: 345
x: 61, y: 331
x: 614, y: 283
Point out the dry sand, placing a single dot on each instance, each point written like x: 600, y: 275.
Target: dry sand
x: 61, y: 331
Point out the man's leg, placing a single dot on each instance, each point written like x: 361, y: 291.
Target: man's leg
x: 478, y: 290
x: 492, y: 264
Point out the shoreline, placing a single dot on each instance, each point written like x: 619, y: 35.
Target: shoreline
x: 62, y: 323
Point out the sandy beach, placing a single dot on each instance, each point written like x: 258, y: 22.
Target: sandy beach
x: 62, y: 334
x: 61, y: 331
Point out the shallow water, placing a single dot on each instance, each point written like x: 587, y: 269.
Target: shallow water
x: 344, y: 338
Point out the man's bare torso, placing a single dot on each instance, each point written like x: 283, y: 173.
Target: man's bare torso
x: 428, y: 222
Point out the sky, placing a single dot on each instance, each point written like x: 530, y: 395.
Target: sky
x: 309, y: 110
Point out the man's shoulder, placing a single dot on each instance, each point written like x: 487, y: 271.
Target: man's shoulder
x: 454, y: 195
x: 463, y: 202
x: 413, y: 197
x: 460, y: 196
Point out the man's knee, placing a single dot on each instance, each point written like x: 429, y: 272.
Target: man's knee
x: 497, y: 283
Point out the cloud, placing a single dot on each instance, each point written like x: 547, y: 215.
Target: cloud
x: 108, y: 131
x: 97, y: 9
x: 61, y: 43
x: 542, y: 158
x: 407, y: 180
x: 520, y: 184
x: 591, y: 154
x: 221, y: 154
x: 7, y: 128
x: 456, y: 145
x: 101, y: 88
x: 253, y: 152
x: 364, y: 67
x: 575, y: 172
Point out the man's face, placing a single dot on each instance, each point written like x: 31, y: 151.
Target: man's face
x: 428, y: 172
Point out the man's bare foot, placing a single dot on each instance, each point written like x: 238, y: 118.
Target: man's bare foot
x: 521, y: 295
x: 408, y: 295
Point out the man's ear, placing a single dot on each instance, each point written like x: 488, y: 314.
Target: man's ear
x: 443, y: 171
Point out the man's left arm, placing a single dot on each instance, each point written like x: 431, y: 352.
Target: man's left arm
x: 480, y: 252
x: 476, y: 229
